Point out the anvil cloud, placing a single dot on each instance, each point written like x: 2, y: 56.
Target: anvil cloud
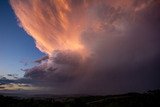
x: 93, y: 46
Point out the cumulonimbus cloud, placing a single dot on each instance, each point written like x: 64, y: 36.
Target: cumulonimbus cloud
x: 93, y: 46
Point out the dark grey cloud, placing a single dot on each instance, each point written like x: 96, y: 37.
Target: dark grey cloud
x: 62, y: 67
x: 4, y: 80
x: 42, y: 59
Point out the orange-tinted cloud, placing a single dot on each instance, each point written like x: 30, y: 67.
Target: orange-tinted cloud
x: 119, y: 37
x: 50, y: 23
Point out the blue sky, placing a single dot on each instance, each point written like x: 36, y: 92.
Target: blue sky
x: 16, y: 47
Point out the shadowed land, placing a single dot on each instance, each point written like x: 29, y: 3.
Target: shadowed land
x: 148, y: 99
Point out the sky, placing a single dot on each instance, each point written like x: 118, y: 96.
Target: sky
x: 17, y: 48
x: 79, y: 46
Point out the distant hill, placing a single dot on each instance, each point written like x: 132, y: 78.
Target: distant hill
x: 148, y: 99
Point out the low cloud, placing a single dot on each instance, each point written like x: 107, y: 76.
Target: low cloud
x: 15, y: 85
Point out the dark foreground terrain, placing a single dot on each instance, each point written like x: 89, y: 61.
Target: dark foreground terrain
x: 148, y: 99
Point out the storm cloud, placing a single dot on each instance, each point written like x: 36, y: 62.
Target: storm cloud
x: 94, y: 46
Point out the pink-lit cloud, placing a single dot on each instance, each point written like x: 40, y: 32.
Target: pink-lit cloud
x: 93, y: 46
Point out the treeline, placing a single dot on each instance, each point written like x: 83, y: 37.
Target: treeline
x: 149, y: 99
